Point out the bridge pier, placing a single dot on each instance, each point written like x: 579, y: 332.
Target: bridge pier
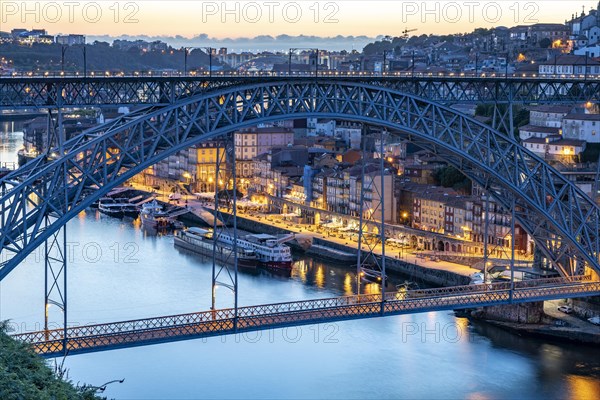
x: 523, y: 313
x: 55, y: 280
x: 224, y: 274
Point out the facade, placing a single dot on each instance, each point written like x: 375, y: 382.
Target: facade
x: 194, y: 167
x: 550, y: 116
x: 555, y: 147
x: 584, y: 127
x: 70, y: 40
x: 569, y: 64
x: 252, y: 142
x: 534, y: 131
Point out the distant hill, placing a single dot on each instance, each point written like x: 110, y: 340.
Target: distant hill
x: 101, y: 57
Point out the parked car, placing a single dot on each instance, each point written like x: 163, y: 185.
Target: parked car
x: 594, y: 320
x: 565, y: 309
x: 175, y: 196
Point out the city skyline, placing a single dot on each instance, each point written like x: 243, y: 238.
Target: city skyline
x: 238, y: 23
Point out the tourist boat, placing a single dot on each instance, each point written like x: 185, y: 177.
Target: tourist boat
x: 153, y: 216
x: 270, y: 250
x: 201, y: 241
x: 117, y: 208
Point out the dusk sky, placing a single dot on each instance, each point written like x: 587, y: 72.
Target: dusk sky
x: 247, y: 19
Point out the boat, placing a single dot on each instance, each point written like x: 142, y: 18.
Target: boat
x: 270, y: 250
x: 200, y: 241
x: 153, y: 216
x: 117, y: 208
x: 371, y: 274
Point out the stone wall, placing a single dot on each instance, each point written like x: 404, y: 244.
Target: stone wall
x: 415, y: 272
x: 587, y: 308
x: 526, y: 313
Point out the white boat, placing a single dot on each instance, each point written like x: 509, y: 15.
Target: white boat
x: 153, y: 216
x: 117, y: 208
x: 201, y: 241
x: 270, y: 250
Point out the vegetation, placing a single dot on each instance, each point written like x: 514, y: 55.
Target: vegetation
x: 591, y: 153
x: 24, y: 375
x: 451, y: 177
x: 545, y: 43
x: 520, y: 116
x: 100, y: 57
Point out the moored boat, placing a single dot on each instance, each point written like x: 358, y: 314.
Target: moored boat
x: 270, y: 250
x: 117, y: 208
x: 201, y: 241
x: 153, y: 216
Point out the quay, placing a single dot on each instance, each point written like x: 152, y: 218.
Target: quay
x: 438, y: 273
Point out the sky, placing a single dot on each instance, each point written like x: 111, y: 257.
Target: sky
x: 222, y: 20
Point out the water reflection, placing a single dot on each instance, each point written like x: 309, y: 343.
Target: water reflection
x: 487, y: 363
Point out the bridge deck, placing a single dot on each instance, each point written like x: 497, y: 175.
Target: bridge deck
x: 109, y: 336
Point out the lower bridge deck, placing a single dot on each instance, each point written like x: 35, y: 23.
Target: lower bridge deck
x: 101, y: 337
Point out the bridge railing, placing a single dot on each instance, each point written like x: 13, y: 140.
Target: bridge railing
x: 439, y: 295
x: 324, y: 74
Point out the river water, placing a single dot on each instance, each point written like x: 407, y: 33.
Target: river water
x: 118, y: 272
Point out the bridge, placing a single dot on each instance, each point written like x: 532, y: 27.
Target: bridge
x: 18, y: 92
x: 37, y: 200
x: 100, y: 337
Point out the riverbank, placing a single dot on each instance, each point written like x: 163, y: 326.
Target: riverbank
x: 430, y: 272
x: 542, y: 321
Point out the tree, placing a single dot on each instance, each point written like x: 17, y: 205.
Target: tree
x: 545, y: 43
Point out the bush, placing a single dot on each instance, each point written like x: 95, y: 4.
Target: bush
x: 24, y: 375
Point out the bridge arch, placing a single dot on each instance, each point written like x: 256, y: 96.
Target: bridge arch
x: 563, y: 221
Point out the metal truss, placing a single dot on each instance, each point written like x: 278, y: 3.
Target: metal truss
x: 55, y: 277
x: 370, y: 265
x: 225, y: 266
x: 108, y: 336
x: 563, y: 221
x: 56, y: 92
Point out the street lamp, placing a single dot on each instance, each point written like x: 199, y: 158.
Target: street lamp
x: 63, y: 50
x: 187, y: 51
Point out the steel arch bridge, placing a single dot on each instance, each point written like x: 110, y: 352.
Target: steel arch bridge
x: 563, y: 221
x: 152, y: 90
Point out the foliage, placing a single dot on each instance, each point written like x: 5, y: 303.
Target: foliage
x: 100, y: 57
x: 545, y: 43
x: 591, y: 153
x: 24, y: 375
x: 451, y: 177
x: 520, y: 116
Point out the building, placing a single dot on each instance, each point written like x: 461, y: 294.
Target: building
x: 534, y: 131
x: 569, y: 64
x: 70, y: 40
x: 350, y: 133
x: 252, y: 142
x: 584, y: 127
x: 548, y: 115
x: 555, y: 147
x: 194, y: 167
x: 320, y: 127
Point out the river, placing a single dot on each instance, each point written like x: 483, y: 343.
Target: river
x: 118, y: 272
